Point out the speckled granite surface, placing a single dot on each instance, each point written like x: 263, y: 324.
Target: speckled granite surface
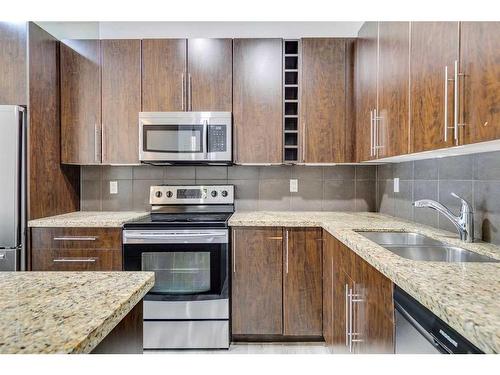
x: 464, y: 295
x: 88, y: 219
x: 65, y: 312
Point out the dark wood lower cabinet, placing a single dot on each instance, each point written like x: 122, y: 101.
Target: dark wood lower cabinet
x: 360, y: 316
x: 257, y: 281
x: 76, y: 249
x: 302, y: 282
x: 277, y: 284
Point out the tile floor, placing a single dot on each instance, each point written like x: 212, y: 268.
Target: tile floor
x: 257, y: 348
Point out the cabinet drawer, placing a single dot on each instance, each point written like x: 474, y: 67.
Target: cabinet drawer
x: 76, y: 260
x: 75, y: 238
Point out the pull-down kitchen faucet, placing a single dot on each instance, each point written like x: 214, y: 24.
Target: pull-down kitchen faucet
x: 464, y: 222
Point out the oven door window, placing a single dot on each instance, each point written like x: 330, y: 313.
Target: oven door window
x: 179, y: 272
x: 173, y: 138
x: 182, y: 271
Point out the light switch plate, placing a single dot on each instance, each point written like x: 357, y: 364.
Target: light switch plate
x: 294, y: 185
x: 396, y: 185
x: 113, y: 187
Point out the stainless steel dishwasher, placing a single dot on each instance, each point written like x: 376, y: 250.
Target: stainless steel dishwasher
x: 419, y: 331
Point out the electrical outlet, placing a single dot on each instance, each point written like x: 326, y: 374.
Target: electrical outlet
x: 396, y: 185
x: 113, y: 187
x: 294, y: 186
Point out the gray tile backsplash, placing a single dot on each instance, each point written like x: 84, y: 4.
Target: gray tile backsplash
x: 328, y: 188
x: 475, y: 177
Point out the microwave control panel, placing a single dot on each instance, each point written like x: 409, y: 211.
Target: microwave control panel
x: 217, y: 138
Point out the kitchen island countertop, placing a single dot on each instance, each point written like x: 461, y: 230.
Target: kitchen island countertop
x: 65, y: 312
x: 464, y: 295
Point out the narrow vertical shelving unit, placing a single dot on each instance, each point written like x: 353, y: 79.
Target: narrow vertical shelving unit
x: 291, y: 68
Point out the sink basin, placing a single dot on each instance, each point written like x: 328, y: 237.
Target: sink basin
x: 399, y: 238
x: 441, y: 253
x: 416, y: 246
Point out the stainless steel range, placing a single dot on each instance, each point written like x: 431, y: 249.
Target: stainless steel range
x: 185, y: 242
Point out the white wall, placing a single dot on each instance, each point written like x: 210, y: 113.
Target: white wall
x: 71, y: 30
x: 138, y: 30
x: 109, y: 30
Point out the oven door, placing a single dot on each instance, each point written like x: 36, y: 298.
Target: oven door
x: 189, y: 265
x: 185, y: 137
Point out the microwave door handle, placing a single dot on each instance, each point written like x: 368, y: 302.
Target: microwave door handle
x: 205, y: 138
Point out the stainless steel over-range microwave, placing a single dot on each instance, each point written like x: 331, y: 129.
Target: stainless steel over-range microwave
x: 185, y: 137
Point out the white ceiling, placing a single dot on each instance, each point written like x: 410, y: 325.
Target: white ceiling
x: 138, y: 30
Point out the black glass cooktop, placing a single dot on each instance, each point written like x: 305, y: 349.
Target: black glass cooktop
x: 157, y: 220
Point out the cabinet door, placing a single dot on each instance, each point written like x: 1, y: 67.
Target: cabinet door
x: 342, y: 283
x: 121, y: 100
x: 480, y: 62
x: 210, y: 63
x: 393, y: 85
x: 434, y: 46
x: 302, y: 274
x: 323, y: 100
x: 375, y: 315
x: 257, y: 100
x: 164, y: 75
x: 366, y: 88
x: 13, y: 61
x: 257, y: 281
x: 80, y: 102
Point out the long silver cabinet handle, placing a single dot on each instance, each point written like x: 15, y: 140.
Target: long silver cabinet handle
x: 286, y: 249
x: 234, y: 251
x: 97, y: 147
x: 446, y: 103
x: 350, y: 319
x: 76, y: 238
x: 346, y: 315
x: 455, y: 103
x: 190, y: 97
x: 353, y: 298
x: 372, y: 153
x: 183, y: 96
x: 74, y: 260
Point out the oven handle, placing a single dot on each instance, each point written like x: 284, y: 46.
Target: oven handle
x: 142, y: 237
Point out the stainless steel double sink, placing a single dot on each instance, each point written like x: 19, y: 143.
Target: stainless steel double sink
x: 416, y: 246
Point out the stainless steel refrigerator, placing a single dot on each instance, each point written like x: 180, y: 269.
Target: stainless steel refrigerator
x: 12, y: 188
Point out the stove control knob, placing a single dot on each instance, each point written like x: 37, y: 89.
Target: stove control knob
x: 169, y: 194
x: 224, y: 193
x: 158, y: 194
x: 213, y: 193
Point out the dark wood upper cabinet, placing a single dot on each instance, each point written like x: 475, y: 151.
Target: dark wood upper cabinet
x: 480, y: 64
x: 80, y: 102
x: 302, y: 282
x: 164, y: 75
x: 13, y: 59
x: 257, y: 100
x: 366, y: 89
x: 209, y: 82
x: 257, y: 281
x: 434, y: 47
x: 121, y: 100
x: 323, y: 100
x: 393, y: 85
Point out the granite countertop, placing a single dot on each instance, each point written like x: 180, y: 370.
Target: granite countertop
x: 65, y: 312
x: 89, y: 219
x: 464, y: 295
